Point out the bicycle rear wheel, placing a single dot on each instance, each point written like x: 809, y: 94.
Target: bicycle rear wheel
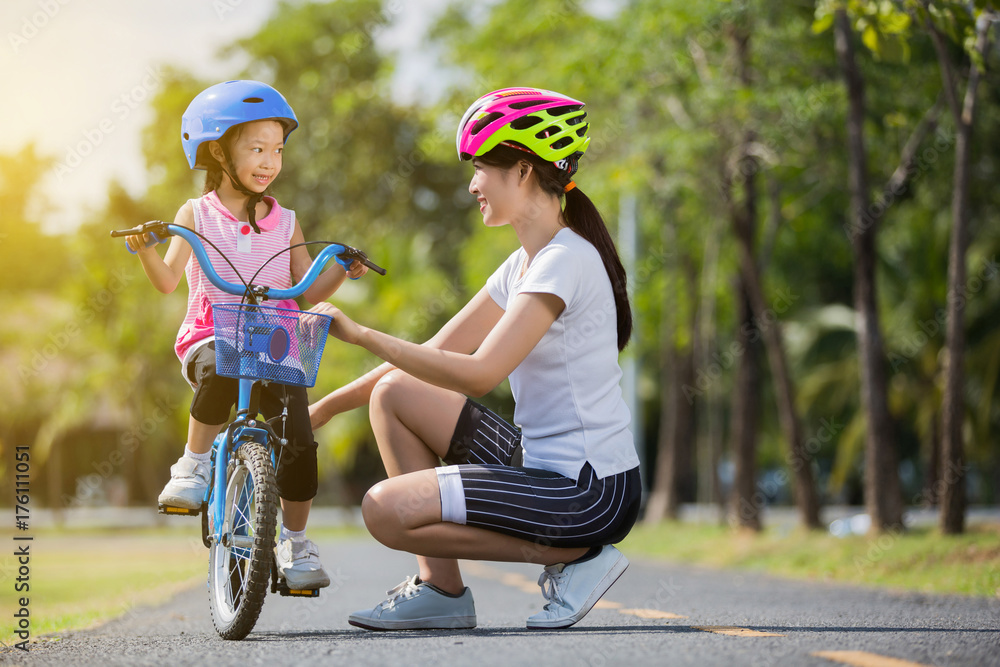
x: 239, y: 566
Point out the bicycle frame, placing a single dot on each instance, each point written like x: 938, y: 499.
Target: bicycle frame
x: 241, y: 430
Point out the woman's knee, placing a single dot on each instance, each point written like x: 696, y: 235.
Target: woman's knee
x: 390, y: 385
x: 427, y: 411
x: 393, y: 507
x: 383, y: 521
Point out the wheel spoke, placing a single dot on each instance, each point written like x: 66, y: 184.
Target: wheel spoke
x: 241, y: 560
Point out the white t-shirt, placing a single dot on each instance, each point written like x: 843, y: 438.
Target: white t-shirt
x: 569, y: 403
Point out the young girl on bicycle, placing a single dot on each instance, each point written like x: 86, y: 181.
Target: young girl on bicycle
x: 236, y: 131
x: 553, y: 319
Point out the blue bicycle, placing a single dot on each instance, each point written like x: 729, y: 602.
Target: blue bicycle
x: 257, y: 344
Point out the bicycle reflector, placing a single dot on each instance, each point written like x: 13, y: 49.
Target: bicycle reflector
x: 269, y: 338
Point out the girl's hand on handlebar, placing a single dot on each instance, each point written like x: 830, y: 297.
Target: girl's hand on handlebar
x: 138, y: 243
x: 356, y: 270
x: 342, y: 327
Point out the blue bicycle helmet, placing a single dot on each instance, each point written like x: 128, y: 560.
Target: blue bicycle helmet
x: 220, y: 107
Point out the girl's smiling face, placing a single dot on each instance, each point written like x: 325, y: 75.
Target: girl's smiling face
x: 256, y: 153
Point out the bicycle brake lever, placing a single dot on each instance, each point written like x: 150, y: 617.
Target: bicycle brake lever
x: 350, y: 254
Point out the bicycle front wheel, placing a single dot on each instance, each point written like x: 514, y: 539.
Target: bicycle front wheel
x: 239, y: 566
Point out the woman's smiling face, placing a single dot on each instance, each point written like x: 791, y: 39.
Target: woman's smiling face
x: 496, y: 191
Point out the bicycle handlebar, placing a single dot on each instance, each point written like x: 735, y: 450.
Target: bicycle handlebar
x: 160, y: 231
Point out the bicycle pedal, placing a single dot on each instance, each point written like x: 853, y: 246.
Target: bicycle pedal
x: 279, y: 585
x: 177, y: 511
x: 298, y: 593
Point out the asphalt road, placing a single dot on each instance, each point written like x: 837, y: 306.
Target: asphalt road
x: 656, y: 614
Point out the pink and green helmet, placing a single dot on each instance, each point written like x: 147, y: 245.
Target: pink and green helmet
x: 548, y: 124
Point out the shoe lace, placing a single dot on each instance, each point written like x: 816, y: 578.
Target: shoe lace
x: 406, y: 589
x: 551, y: 582
x: 305, y: 552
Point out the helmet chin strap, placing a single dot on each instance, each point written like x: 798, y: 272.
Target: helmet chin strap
x: 254, y: 198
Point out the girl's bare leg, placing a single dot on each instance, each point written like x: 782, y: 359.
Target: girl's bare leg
x: 200, y: 436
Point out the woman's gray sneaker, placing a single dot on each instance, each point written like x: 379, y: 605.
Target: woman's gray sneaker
x: 416, y: 605
x: 572, y: 590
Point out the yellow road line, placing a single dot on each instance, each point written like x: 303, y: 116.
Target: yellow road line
x: 512, y: 579
x: 520, y: 582
x: 865, y: 659
x: 523, y: 583
x: 853, y: 658
x: 734, y: 631
x: 650, y: 613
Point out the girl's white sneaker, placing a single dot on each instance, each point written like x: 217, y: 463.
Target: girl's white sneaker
x: 188, y: 484
x: 298, y: 562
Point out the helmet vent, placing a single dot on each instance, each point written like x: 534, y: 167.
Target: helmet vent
x: 525, y: 104
x: 524, y: 122
x: 547, y: 132
x: 576, y: 119
x: 555, y: 112
x: 562, y: 143
x: 484, y: 121
x: 186, y: 136
x: 253, y: 100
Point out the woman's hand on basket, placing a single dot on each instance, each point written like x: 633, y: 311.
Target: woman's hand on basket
x: 342, y: 327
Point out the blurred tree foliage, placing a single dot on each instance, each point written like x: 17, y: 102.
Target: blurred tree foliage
x: 88, y: 347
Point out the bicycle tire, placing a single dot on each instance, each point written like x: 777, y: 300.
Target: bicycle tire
x: 239, y: 572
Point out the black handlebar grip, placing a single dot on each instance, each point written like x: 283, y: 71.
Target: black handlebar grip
x: 373, y: 266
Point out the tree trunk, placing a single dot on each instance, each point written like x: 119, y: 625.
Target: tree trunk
x: 687, y: 476
x: 765, y: 325
x: 663, y: 503
x: 675, y: 435
x: 930, y: 494
x: 882, y: 490
x: 676, y: 410
x: 799, y: 459
x: 952, y: 472
x: 746, y: 505
x: 709, y: 425
x: 683, y: 470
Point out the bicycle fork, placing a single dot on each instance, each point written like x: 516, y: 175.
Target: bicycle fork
x: 243, y: 429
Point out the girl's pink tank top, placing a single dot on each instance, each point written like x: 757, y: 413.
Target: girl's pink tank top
x: 215, y: 222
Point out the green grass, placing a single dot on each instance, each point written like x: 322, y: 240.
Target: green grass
x: 917, y: 560
x: 81, y: 578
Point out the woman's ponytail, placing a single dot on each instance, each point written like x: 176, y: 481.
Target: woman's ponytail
x: 583, y: 218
